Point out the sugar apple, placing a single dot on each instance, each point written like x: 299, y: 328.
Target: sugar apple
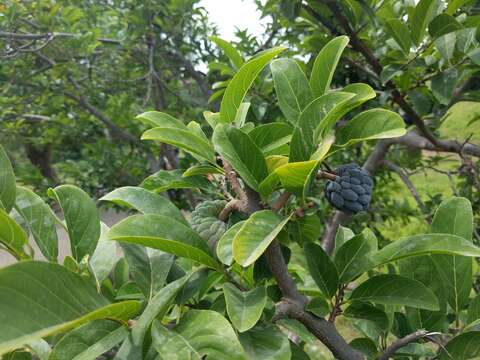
x: 206, y: 223
x: 351, y: 191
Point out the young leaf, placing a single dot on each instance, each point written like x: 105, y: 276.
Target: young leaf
x: 390, y: 289
x: 238, y: 149
x: 81, y: 216
x: 244, y: 308
x: 265, y: 343
x: 423, y: 13
x: 144, y: 201
x: 40, y: 221
x: 322, y: 269
x: 89, y: 341
x: 12, y: 236
x: 241, y: 83
x: 225, y: 244
x: 229, y: 50
x: 255, y: 235
x: 325, y: 65
x: 292, y: 88
x: 163, y: 233
x: 455, y: 216
x: 7, y: 182
x: 371, y: 124
x: 199, y: 334
x: 53, y: 300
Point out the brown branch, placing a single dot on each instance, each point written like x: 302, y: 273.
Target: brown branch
x: 326, y: 175
x: 281, y: 201
x: 398, y: 344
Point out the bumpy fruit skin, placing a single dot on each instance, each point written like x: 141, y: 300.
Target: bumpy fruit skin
x: 351, y: 191
x: 206, y: 223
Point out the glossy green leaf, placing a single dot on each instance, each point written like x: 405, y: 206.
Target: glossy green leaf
x: 104, y: 257
x: 201, y: 170
x: 400, y: 33
x: 325, y: 65
x: 163, y: 233
x: 292, y: 88
x: 255, y: 235
x: 265, y: 343
x: 53, y: 300
x: 271, y: 138
x: 159, y: 119
x: 244, y: 308
x: 241, y: 115
x: 229, y: 50
x: 371, y: 124
x: 239, y: 150
x: 294, y: 177
x: 12, y: 236
x: 7, y: 182
x: 242, y: 81
x: 184, y: 139
x: 89, y: 341
x: 422, y: 14
x: 304, y: 139
x: 354, y: 256
x: 164, y: 180
x: 82, y: 218
x: 465, y: 346
x: 144, y: 201
x: 199, y: 334
x: 322, y: 269
x: 132, y: 348
x: 455, y: 216
x: 342, y: 236
x: 148, y: 267
x: 366, y: 311
x: 443, y: 24
x: 212, y: 118
x: 390, y: 289
x: 40, y: 221
x: 225, y: 244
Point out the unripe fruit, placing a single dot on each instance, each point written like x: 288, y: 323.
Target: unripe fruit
x: 206, y: 223
x: 351, y: 191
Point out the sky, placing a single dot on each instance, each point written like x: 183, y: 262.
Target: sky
x: 228, y: 14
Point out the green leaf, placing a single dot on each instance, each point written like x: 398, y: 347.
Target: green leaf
x: 242, y: 81
x: 473, y: 312
x: 462, y: 347
x: 342, y: 236
x: 292, y: 88
x: 354, y: 256
x: 294, y: 177
x: 7, y: 182
x: 455, y: 216
x: 390, y: 289
x: 184, y: 139
x: 265, y: 343
x: 400, y: 33
x: 371, y: 124
x: 271, y: 138
x: 322, y: 269
x: 144, y: 201
x: 159, y: 119
x: 202, y: 170
x: 229, y: 50
x: 244, y: 308
x: 81, y: 216
x: 366, y: 311
x: 304, y: 139
x: 53, y: 299
x: 318, y: 306
x: 366, y: 346
x: 163, y: 233
x: 104, y: 257
x: 148, y: 267
x: 132, y: 348
x: 225, y: 244
x: 40, y: 220
x: 199, y: 334
x: 12, y: 236
x: 241, y: 116
x: 89, y: 341
x: 238, y: 149
x: 325, y: 65
x: 255, y: 235
x: 443, y: 24
x: 422, y: 14
x: 443, y: 85
x: 164, y: 180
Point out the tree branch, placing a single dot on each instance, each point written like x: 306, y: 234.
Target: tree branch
x: 398, y: 344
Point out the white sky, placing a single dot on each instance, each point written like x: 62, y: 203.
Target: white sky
x: 231, y: 14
